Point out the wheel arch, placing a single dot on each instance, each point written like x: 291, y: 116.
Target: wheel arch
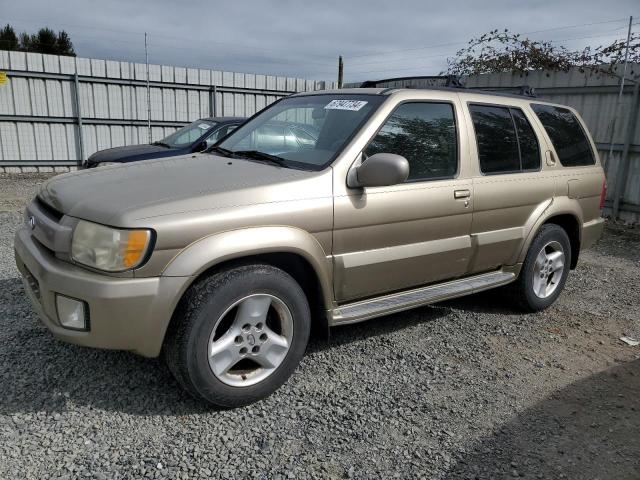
x: 565, y: 214
x: 292, y: 250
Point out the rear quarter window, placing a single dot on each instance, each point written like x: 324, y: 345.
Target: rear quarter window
x: 567, y: 135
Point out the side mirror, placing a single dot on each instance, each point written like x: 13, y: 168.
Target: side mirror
x: 379, y: 170
x: 201, y: 147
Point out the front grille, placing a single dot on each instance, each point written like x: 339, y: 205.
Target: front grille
x: 48, y: 226
x: 49, y: 210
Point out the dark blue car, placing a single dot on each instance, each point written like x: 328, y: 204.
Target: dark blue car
x: 195, y: 137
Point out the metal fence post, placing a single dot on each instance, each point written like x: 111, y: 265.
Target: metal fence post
x: 146, y: 61
x: 76, y: 97
x: 623, y: 165
x: 212, y: 101
x: 619, y: 101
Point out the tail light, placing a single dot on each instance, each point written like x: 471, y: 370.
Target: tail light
x: 603, y: 194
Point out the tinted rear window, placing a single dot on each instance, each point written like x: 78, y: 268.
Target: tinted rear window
x: 529, y: 149
x: 506, y: 141
x: 496, y: 137
x: 567, y: 135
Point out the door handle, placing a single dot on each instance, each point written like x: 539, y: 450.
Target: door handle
x: 461, y: 194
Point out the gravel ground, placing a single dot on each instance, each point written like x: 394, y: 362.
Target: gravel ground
x: 463, y: 389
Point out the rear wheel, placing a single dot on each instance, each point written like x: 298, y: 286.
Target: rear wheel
x: 238, y: 335
x: 545, y: 269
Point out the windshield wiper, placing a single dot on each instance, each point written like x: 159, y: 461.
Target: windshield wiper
x: 258, y: 155
x: 223, y: 151
x: 162, y: 144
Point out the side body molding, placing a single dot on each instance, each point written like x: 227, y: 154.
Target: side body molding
x: 220, y: 247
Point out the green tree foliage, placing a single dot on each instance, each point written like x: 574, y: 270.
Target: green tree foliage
x: 44, y: 41
x: 8, y: 38
x: 65, y: 47
x: 503, y: 51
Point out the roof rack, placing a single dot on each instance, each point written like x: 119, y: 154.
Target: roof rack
x: 520, y: 90
x: 527, y: 91
x: 444, y: 81
x: 450, y: 81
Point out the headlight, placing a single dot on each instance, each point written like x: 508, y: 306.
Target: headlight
x: 109, y: 249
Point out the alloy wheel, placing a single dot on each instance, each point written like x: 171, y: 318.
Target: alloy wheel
x: 250, y: 340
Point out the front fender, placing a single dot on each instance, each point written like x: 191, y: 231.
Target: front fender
x: 233, y: 244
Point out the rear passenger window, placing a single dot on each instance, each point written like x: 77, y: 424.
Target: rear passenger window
x: 567, y: 135
x: 529, y: 150
x: 506, y: 141
x: 425, y: 134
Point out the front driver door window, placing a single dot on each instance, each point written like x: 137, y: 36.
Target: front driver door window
x: 423, y: 133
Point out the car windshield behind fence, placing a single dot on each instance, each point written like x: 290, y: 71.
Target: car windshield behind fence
x: 305, y: 132
x: 187, y: 135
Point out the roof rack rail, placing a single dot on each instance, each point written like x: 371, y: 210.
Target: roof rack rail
x: 527, y: 91
x: 450, y: 81
x: 446, y: 81
x: 520, y: 90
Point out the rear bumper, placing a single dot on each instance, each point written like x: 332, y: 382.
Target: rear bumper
x: 591, y: 232
x: 124, y: 313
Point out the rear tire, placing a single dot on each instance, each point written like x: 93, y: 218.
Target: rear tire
x: 238, y: 335
x: 545, y: 269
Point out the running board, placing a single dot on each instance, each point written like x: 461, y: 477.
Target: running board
x: 397, y: 302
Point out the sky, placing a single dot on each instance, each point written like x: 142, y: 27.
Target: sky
x: 378, y: 39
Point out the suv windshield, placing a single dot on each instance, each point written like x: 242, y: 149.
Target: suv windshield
x: 303, y: 132
x: 187, y: 135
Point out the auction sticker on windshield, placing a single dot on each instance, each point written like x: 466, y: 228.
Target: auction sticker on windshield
x: 353, y: 105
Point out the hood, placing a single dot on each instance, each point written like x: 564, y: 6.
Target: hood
x: 131, y: 153
x: 122, y: 195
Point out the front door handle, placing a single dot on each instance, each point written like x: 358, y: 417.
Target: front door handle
x: 461, y: 194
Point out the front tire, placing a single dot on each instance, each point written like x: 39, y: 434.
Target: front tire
x: 238, y: 335
x: 545, y: 269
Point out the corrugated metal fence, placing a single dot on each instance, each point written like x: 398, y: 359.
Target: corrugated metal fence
x: 50, y: 99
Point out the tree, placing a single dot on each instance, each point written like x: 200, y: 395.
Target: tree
x: 64, y: 44
x: 503, y: 51
x: 25, y: 42
x: 8, y: 38
x: 45, y: 41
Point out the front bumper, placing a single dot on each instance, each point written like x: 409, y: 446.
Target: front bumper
x: 124, y: 313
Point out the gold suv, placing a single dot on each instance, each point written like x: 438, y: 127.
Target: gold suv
x: 384, y: 200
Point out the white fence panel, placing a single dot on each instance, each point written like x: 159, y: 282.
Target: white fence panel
x: 48, y: 96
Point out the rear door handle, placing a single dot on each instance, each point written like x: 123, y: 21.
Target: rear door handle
x: 461, y: 193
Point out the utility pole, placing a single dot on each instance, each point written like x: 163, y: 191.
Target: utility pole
x: 146, y: 61
x: 617, y: 107
x: 618, y: 191
x: 340, y: 71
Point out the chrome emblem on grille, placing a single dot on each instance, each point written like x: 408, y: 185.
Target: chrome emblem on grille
x: 32, y: 222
